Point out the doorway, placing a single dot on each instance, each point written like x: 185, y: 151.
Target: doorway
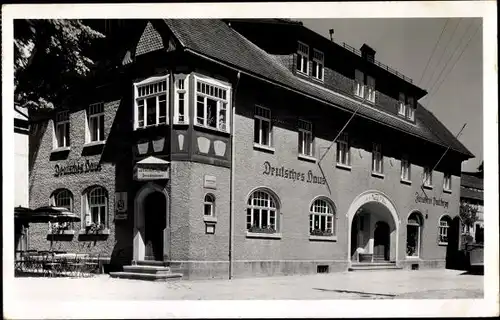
x: 381, y: 242
x: 154, y: 225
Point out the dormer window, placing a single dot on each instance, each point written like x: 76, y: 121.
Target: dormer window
x: 370, y: 89
x: 359, y: 84
x: 303, y: 58
x: 317, y: 64
x: 410, y: 109
x: 401, y: 104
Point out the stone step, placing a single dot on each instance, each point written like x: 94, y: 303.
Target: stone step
x: 152, y: 263
x: 146, y: 269
x: 146, y: 276
x: 373, y: 267
x: 376, y: 264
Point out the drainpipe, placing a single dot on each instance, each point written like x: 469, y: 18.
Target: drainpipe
x: 231, y: 179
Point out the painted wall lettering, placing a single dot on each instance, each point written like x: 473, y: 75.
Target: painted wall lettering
x: 76, y: 167
x: 434, y: 201
x: 292, y: 174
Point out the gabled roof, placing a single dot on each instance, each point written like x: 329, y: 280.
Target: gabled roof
x: 215, y: 40
x: 470, y: 180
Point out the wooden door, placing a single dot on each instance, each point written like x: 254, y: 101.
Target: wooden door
x: 381, y: 239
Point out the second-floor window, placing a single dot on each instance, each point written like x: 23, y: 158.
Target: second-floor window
x: 447, y: 182
x: 181, y: 98
x: 95, y: 122
x: 343, y: 150
x: 405, y: 169
x: 359, y: 83
x: 370, y: 88
x: 377, y: 159
x: 317, y: 64
x: 62, y: 129
x: 402, y: 104
x: 151, y: 102
x: 303, y: 58
x: 410, y: 108
x: 427, y: 177
x: 212, y: 110
x: 305, y: 138
x: 262, y: 127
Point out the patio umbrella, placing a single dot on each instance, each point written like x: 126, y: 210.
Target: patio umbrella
x: 26, y: 215
x: 58, y: 214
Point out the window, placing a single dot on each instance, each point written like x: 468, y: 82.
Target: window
x: 303, y: 58
x: 359, y: 84
x: 262, y: 127
x: 212, y: 110
x: 321, y: 218
x: 377, y: 159
x: 405, y: 169
x: 343, y: 150
x: 401, y: 104
x: 181, y: 97
x: 305, y: 138
x: 209, y: 205
x: 262, y: 212
x: 444, y: 225
x: 410, y: 109
x: 96, y: 207
x: 317, y: 64
x: 62, y: 198
x: 447, y: 182
x: 427, y: 177
x: 413, y: 234
x: 61, y: 127
x: 151, y: 102
x: 95, y: 122
x: 370, y: 89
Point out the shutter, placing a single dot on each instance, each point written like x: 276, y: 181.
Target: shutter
x: 359, y: 76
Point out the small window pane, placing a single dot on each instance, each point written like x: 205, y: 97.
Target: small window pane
x: 151, y: 111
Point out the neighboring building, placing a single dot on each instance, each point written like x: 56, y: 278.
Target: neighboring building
x: 472, y: 193
x: 217, y: 146
x: 21, y: 172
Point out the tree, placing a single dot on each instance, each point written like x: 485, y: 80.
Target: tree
x: 50, y: 58
x: 468, y: 214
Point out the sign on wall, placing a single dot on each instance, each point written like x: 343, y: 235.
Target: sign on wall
x: 121, y: 202
x: 152, y: 168
x: 434, y: 201
x: 76, y: 167
x: 210, y: 182
x: 292, y: 174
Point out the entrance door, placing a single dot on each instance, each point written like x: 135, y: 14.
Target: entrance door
x: 381, y: 239
x: 155, y: 223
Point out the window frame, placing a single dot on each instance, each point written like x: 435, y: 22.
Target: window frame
x: 303, y: 55
x: 101, y: 115
x: 67, y: 226
x: 185, y: 91
x: 320, y: 65
x: 447, y: 186
x: 225, y: 91
x: 210, y: 203
x: 305, y: 130
x: 419, y: 224
x: 151, y: 81
x: 402, y: 104
x: 259, y: 118
x: 410, y: 108
x: 377, y: 158
x: 443, y: 229
x: 370, y: 89
x: 427, y: 177
x: 359, y: 84
x: 405, y: 163
x: 87, y: 219
x: 65, y: 122
x: 329, y: 214
x: 271, y: 204
x: 343, y: 143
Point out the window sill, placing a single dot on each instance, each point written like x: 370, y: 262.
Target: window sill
x: 318, y: 80
x: 262, y: 147
x: 263, y: 235
x: 413, y: 258
x: 344, y: 166
x: 446, y: 190
x: 378, y: 175
x: 443, y: 244
x: 323, y: 238
x: 212, y: 129
x: 63, y: 232
x: 150, y: 126
x: 428, y: 187
x: 299, y: 72
x: 307, y: 158
x: 61, y: 149
x: 210, y: 219
x: 94, y: 143
x: 404, y: 181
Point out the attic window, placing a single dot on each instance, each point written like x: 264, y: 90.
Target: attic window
x: 317, y: 64
x: 410, y: 109
x: 303, y: 58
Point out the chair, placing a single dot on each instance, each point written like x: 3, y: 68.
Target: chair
x: 91, y: 265
x: 50, y: 265
x: 75, y: 265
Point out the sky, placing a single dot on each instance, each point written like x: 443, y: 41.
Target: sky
x: 454, y: 74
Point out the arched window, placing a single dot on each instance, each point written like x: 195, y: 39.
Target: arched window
x: 262, y: 212
x: 209, y: 205
x: 321, y: 218
x: 413, y: 234
x: 62, y: 198
x: 444, y: 226
x: 96, y: 206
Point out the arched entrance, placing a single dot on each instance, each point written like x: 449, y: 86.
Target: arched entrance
x: 373, y: 228
x: 150, y: 223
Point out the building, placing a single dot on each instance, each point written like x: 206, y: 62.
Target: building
x: 247, y: 147
x: 472, y: 193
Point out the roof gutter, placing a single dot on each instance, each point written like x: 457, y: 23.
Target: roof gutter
x: 468, y: 156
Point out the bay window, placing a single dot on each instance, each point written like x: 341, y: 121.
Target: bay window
x: 212, y: 104
x: 303, y: 58
x: 181, y: 106
x: 305, y: 138
x: 151, y: 106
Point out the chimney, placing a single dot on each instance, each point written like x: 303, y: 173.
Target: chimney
x: 367, y: 53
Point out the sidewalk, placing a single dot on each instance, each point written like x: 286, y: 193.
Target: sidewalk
x: 424, y: 284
